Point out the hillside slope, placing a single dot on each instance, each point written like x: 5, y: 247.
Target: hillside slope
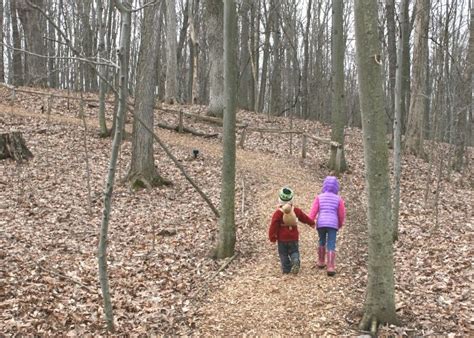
x: 163, y: 281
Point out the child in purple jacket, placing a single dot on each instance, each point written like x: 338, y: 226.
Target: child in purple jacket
x: 330, y: 207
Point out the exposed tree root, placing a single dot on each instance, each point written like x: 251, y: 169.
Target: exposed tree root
x: 369, y: 324
x: 138, y: 181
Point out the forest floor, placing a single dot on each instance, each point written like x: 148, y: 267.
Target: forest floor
x: 161, y: 277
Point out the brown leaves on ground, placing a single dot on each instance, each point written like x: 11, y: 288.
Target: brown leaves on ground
x: 161, y: 276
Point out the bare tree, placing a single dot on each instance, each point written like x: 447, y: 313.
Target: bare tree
x: 399, y: 111
x: 215, y: 26
x: 265, y: 61
x: 226, y: 239
x: 275, y: 84
x: 103, y: 70
x: 392, y: 53
x: 2, y: 66
x: 462, y: 121
x: 304, y: 80
x: 380, y: 295
x: 33, y: 27
x: 171, y: 57
x: 414, y: 135
x: 142, y: 172
x: 244, y: 59
x: 86, y: 39
x: 124, y: 6
x: 338, y: 97
x: 193, y: 48
x: 18, y: 74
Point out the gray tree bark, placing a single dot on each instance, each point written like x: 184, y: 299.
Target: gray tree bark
x: 171, y: 89
x: 304, y: 75
x: 102, y: 70
x: 226, y: 238
x: 392, y: 54
x: 399, y: 105
x: 53, y: 72
x: 124, y: 6
x: 266, y: 56
x: 18, y: 74
x: 405, y: 64
x: 414, y: 135
x: 461, y: 123
x: 276, y: 79
x: 244, y: 59
x: 215, y: 27
x: 2, y: 66
x: 338, y: 93
x: 254, y: 50
x: 86, y: 43
x: 193, y: 55
x: 142, y: 172
x: 380, y: 295
x: 33, y: 28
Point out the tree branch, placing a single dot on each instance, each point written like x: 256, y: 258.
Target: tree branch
x: 106, y: 63
x: 180, y: 167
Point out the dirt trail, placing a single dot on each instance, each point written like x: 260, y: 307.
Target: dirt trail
x: 259, y: 300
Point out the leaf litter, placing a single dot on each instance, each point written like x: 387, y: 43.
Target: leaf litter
x: 161, y: 277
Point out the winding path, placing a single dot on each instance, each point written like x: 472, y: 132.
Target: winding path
x: 259, y: 300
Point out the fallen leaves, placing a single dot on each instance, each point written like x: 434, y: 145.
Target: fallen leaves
x: 160, y: 239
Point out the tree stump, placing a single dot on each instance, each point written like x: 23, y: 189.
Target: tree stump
x: 12, y: 145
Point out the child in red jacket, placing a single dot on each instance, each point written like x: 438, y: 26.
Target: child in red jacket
x: 284, y: 229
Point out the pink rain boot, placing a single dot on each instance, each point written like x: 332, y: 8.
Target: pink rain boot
x: 321, y: 257
x: 331, y: 270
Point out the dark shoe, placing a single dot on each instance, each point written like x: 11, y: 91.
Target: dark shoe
x: 321, y: 257
x: 331, y: 270
x: 295, y: 268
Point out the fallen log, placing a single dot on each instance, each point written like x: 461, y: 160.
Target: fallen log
x: 187, y: 130
x: 12, y: 145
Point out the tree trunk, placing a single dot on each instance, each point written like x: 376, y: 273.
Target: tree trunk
x: 226, y: 239
x: 215, y: 26
x: 405, y: 64
x: 30, y: 19
x: 171, y: 56
x: 2, y: 66
x: 414, y: 137
x: 53, y: 49
x: 275, y: 99
x: 304, y: 80
x: 338, y: 97
x: 380, y: 296
x: 397, y: 133
x: 84, y: 9
x: 12, y: 145
x: 161, y: 60
x: 102, y: 69
x: 462, y: 122
x: 392, y: 55
x: 142, y: 172
x: 245, y: 75
x: 182, y: 51
x: 254, y: 50
x: 124, y: 7
x: 266, y: 56
x: 193, y: 55
x: 18, y: 75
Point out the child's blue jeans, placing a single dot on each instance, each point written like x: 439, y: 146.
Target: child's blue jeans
x: 327, y: 236
x: 289, y: 254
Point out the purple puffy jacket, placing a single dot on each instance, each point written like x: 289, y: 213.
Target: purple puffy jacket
x: 329, y: 205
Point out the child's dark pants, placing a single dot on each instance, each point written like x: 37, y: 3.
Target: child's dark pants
x: 289, y: 255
